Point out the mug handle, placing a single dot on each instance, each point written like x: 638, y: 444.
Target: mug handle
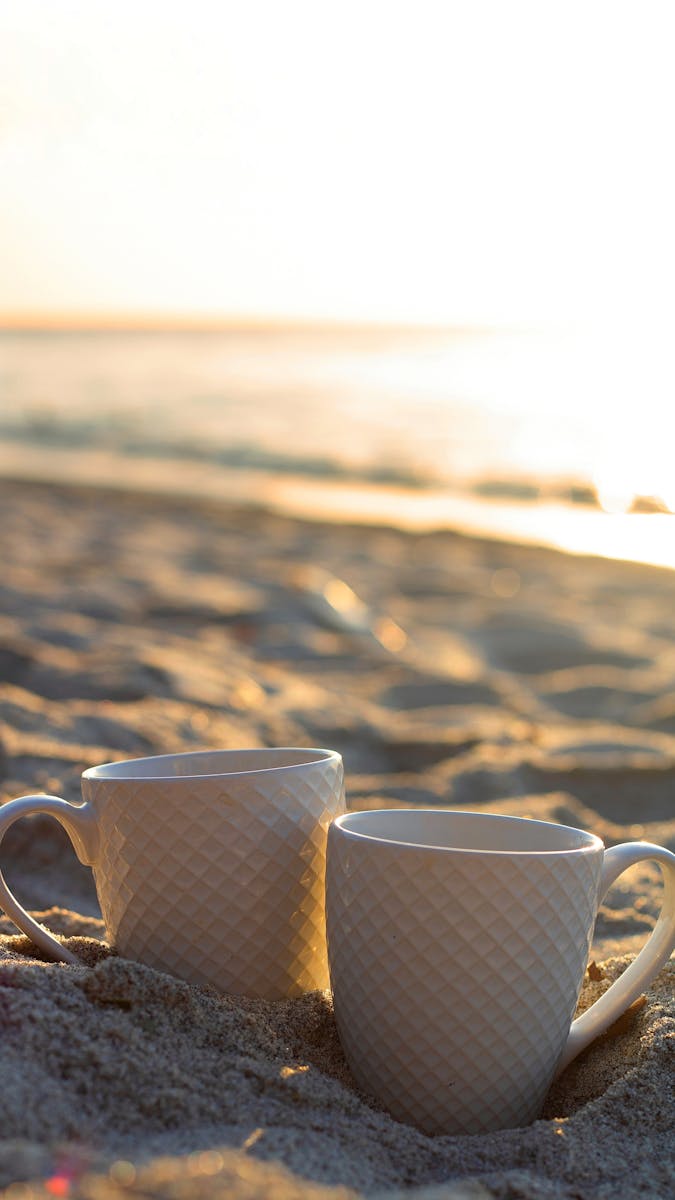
x: 79, y: 822
x: 649, y: 961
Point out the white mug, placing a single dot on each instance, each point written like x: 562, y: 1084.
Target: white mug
x: 457, y: 946
x: 208, y: 865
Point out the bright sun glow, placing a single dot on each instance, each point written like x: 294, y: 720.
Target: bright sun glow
x: 433, y: 161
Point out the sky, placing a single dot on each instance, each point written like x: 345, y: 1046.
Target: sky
x: 451, y: 162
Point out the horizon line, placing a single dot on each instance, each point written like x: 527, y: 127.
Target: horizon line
x: 39, y: 321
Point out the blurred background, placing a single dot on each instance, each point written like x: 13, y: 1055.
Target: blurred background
x: 409, y: 262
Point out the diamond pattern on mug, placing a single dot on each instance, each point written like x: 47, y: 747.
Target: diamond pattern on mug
x: 218, y: 888
x: 455, y: 977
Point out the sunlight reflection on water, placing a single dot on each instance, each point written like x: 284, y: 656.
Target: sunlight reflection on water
x: 633, y: 537
x: 475, y: 418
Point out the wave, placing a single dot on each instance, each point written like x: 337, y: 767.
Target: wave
x: 117, y: 436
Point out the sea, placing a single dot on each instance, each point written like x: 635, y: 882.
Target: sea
x: 532, y: 435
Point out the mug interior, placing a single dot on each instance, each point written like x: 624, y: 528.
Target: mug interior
x: 201, y: 763
x: 487, y: 833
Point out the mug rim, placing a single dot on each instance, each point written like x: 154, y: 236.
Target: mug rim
x: 591, y: 844
x: 115, y: 771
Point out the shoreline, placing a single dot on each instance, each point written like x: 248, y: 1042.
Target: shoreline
x: 641, y: 538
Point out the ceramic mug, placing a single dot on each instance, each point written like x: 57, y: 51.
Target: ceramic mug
x: 457, y: 945
x: 208, y: 865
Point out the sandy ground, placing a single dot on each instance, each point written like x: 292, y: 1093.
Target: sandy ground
x: 529, y: 682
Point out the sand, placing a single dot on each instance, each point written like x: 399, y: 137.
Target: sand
x: 529, y: 682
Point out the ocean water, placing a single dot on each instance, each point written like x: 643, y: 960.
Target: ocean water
x: 509, y: 432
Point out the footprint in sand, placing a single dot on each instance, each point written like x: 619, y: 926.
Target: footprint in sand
x: 533, y: 645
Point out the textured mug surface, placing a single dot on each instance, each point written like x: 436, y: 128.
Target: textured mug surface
x: 209, y: 865
x: 457, y: 946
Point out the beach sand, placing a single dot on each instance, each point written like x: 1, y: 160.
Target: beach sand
x: 529, y: 682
